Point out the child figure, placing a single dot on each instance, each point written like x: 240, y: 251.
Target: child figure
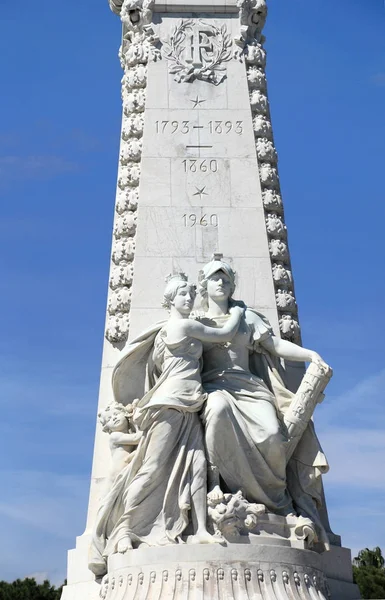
x: 116, y: 420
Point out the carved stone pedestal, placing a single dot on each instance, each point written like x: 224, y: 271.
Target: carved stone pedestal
x: 270, y: 562
x: 198, y: 176
x: 238, y: 571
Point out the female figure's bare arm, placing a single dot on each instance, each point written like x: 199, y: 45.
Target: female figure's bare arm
x: 211, y: 334
x: 289, y: 351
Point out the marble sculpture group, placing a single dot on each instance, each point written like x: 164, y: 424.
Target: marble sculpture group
x: 205, y: 436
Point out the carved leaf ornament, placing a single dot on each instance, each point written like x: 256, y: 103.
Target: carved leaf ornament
x: 197, y: 50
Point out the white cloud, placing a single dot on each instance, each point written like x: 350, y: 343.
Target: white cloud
x: 41, y: 514
x: 363, y: 404
x: 53, y: 395
x: 34, y: 166
x: 39, y: 576
x: 378, y: 79
x: 357, y: 515
x: 356, y: 457
x: 53, y: 503
x: 368, y: 391
x: 351, y: 428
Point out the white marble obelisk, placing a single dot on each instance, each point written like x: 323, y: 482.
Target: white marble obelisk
x: 197, y: 176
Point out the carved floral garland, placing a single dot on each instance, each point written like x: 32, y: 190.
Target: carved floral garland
x: 136, y: 51
x: 250, y: 49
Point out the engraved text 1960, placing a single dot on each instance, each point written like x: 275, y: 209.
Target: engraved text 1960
x: 192, y: 220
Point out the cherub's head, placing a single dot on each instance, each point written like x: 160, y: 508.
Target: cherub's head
x: 116, y: 417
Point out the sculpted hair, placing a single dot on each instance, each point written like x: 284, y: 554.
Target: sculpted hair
x: 173, y: 286
x: 114, y: 407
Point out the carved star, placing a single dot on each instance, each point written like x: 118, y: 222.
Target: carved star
x: 197, y: 102
x: 200, y: 192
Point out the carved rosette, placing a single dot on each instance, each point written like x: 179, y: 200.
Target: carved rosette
x: 252, y: 15
x: 138, y: 48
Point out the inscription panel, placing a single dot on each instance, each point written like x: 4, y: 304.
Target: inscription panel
x: 206, y: 220
x: 200, y: 166
x: 219, y: 127
x: 176, y: 231
x: 199, y: 133
x: 203, y: 135
x: 171, y: 127
x: 200, y: 182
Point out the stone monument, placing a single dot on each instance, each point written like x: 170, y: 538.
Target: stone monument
x: 207, y: 471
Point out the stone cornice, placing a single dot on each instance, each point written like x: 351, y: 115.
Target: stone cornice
x: 213, y: 6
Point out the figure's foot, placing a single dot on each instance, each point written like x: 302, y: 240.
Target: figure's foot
x: 204, y: 537
x: 124, y: 544
x: 215, y: 496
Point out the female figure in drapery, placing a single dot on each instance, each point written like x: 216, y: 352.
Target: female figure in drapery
x: 165, y: 488
x: 244, y: 431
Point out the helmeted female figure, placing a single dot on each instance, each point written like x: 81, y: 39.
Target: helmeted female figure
x: 244, y: 432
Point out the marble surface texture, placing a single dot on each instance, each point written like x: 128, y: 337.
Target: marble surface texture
x: 221, y: 478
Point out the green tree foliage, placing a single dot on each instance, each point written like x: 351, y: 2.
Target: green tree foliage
x: 370, y: 558
x: 29, y: 589
x: 369, y: 573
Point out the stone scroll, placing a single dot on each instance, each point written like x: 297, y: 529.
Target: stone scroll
x: 309, y: 394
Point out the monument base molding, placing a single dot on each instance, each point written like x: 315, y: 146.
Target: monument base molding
x: 206, y: 572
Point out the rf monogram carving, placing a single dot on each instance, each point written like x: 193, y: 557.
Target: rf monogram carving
x: 197, y: 50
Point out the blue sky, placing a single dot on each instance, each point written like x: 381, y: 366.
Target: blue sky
x: 58, y: 157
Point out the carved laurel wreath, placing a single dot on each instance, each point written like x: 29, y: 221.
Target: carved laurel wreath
x: 213, y: 70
